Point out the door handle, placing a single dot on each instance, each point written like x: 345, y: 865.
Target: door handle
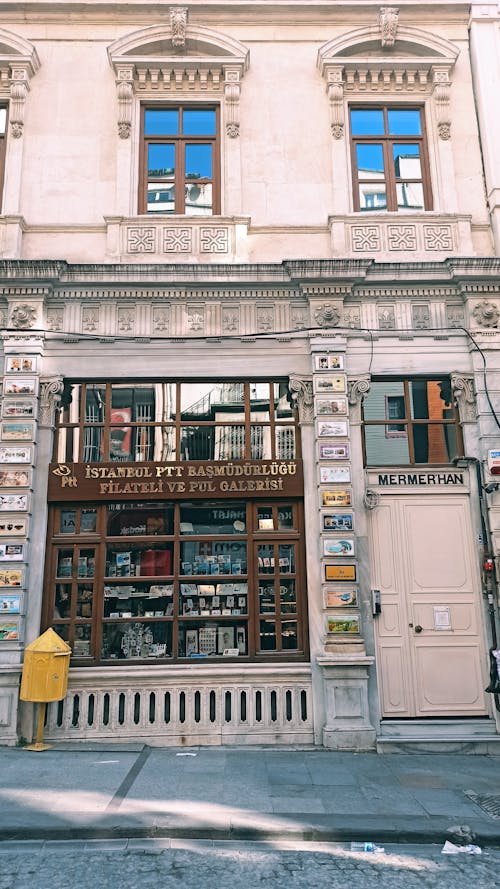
x: 418, y: 628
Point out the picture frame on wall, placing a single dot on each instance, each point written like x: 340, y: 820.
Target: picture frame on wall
x: 338, y: 546
x: 15, y: 454
x: 333, y: 428
x: 11, y: 577
x: 9, y: 631
x: 341, y: 598
x: 335, y: 407
x: 13, y: 527
x: 337, y: 521
x: 20, y: 364
x: 331, y: 475
x: 10, y: 604
x: 24, y: 408
x: 20, y: 386
x: 323, y: 385
x: 225, y: 639
x: 329, y: 362
x: 342, y: 623
x: 13, y: 502
x: 340, y: 572
x: 11, y: 552
x: 332, y: 450
x: 15, y: 478
x: 17, y: 431
x: 337, y: 498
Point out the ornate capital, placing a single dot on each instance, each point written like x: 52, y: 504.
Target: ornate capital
x: 486, y: 314
x: 301, y: 392
x: 232, y: 91
x: 463, y: 391
x: 51, y: 389
x: 335, y: 92
x: 19, y: 89
x: 388, y: 24
x: 327, y: 316
x: 441, y: 93
x: 178, y: 23
x: 356, y: 390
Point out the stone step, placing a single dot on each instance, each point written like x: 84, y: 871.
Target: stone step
x: 433, y: 728
x: 466, y: 743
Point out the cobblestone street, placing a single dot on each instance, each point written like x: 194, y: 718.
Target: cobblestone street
x: 161, y: 864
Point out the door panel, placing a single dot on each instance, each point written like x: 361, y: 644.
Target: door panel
x: 429, y: 635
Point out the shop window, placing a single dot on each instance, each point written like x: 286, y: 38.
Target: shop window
x: 159, y: 422
x: 180, y: 160
x: 423, y: 422
x: 389, y: 159
x: 149, y: 581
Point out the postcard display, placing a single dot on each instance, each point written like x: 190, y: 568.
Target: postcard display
x: 17, y: 436
x: 338, y: 554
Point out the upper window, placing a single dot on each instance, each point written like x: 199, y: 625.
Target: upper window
x: 389, y: 160
x: 3, y: 132
x: 161, y: 421
x: 180, y: 160
x: 410, y: 421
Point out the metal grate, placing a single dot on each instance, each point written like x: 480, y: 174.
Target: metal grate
x: 487, y: 802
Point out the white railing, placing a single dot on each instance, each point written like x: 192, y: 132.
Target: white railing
x: 183, y: 706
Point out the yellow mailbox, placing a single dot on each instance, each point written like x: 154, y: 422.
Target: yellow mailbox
x: 45, y: 676
x: 45, y: 669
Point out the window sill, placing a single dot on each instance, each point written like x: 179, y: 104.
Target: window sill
x: 425, y: 235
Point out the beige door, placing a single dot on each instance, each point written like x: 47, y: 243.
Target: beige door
x: 430, y: 654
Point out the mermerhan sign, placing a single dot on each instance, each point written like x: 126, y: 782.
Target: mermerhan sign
x: 411, y: 479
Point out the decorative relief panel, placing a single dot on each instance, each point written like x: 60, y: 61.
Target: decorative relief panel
x: 231, y: 319
x: 486, y: 314
x: 396, y: 238
x: 55, y: 319
x: 214, y: 239
x: 196, y: 319
x: 141, y: 239
x: 177, y: 240
x: 126, y: 320
x: 90, y: 319
x: 386, y: 317
x: 161, y: 320
x: 265, y: 319
x: 184, y: 239
x: 455, y: 315
x: 421, y: 317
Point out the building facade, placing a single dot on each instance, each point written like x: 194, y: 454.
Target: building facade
x: 248, y: 423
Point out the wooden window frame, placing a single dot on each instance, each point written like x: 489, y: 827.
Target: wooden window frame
x: 410, y: 422
x: 387, y: 140
x: 179, y: 141
x: 99, y: 541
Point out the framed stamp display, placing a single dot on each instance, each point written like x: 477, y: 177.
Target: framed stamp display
x: 342, y: 623
x: 11, y: 604
x: 9, y: 631
x: 17, y: 407
x: 323, y: 384
x: 329, y: 362
x: 328, y: 450
x: 11, y: 552
x: 11, y: 576
x: 337, y: 521
x: 333, y: 428
x: 20, y: 386
x: 335, y: 407
x: 338, y: 546
x: 16, y: 527
x: 13, y: 502
x: 330, y: 475
x: 336, y: 498
x: 340, y: 572
x: 15, y: 478
x: 17, y: 431
x: 20, y: 364
x: 341, y: 598
x: 15, y: 454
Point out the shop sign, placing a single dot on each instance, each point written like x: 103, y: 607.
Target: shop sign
x: 439, y: 478
x: 174, y: 481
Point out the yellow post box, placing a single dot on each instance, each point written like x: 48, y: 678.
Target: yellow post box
x: 45, y: 676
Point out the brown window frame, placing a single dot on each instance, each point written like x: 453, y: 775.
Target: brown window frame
x: 179, y: 141
x: 174, y: 624
x: 408, y: 423
x: 387, y: 140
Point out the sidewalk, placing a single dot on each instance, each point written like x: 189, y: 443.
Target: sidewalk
x: 90, y: 791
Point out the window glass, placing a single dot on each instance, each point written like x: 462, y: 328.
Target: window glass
x: 370, y: 161
x: 372, y: 196
x: 404, y: 122
x: 161, y: 161
x: 198, y: 199
x: 161, y: 122
x: 384, y: 450
x: 367, y: 122
x: 160, y: 200
x: 198, y: 161
x: 410, y: 196
x: 3, y: 120
x: 407, y: 161
x: 212, y: 518
x: 139, y: 519
x: 199, y: 122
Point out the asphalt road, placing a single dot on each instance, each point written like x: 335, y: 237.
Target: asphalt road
x: 165, y: 864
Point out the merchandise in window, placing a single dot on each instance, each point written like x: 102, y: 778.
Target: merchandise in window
x: 180, y: 161
x: 156, y: 580
x: 411, y: 422
x: 389, y: 159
